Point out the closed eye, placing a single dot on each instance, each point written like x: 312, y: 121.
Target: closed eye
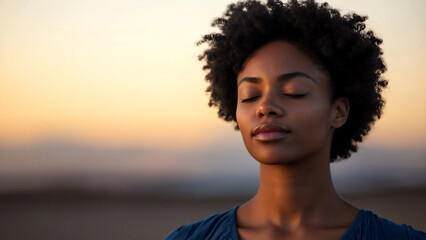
x: 294, y: 95
x: 249, y: 99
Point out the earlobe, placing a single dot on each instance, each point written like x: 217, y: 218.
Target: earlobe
x: 340, y: 112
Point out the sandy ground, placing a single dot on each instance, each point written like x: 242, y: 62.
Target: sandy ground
x: 78, y: 215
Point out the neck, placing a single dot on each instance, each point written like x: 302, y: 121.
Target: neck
x: 295, y: 194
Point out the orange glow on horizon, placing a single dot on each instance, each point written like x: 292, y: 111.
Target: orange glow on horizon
x: 102, y: 72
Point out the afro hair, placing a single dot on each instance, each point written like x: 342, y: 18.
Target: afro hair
x: 351, y: 55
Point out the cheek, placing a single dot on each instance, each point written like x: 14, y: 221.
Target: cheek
x: 238, y: 116
x: 314, y: 120
x: 243, y: 120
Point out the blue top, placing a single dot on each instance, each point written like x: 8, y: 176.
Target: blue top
x: 366, y: 226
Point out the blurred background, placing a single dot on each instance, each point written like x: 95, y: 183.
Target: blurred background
x: 105, y: 132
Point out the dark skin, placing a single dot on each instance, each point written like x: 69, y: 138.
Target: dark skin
x: 287, y: 118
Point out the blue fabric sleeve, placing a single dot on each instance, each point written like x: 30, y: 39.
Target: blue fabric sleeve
x: 219, y: 226
x: 368, y: 226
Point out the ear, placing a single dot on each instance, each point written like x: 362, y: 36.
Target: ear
x: 340, y: 112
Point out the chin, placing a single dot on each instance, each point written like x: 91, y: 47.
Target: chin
x: 273, y: 156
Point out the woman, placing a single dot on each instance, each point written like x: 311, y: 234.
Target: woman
x: 303, y: 84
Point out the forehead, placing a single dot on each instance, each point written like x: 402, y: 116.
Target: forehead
x: 278, y: 58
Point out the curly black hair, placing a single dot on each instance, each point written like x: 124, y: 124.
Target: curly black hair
x: 351, y: 55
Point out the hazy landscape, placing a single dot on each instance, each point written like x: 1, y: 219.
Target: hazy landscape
x: 73, y: 191
x: 72, y: 214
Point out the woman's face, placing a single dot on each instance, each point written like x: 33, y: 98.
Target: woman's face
x: 284, y: 111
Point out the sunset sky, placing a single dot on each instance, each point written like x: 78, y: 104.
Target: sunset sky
x: 126, y: 72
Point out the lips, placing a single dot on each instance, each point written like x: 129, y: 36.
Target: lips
x: 270, y: 132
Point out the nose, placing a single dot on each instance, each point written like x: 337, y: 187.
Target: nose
x: 269, y: 108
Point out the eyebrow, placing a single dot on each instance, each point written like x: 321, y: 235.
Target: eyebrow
x: 281, y: 78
